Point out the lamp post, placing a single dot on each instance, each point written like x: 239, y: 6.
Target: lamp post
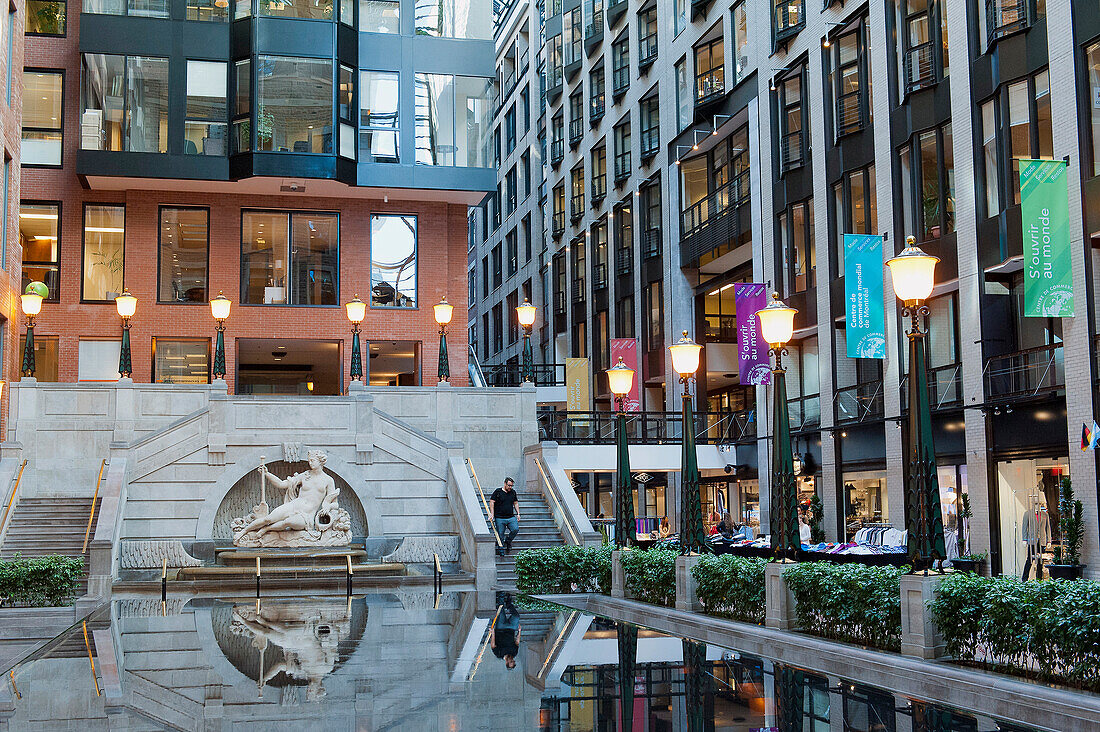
x: 776, y: 327
x: 685, y: 360
x: 356, y: 310
x: 913, y: 274
x: 620, y: 378
x: 443, y: 312
x: 126, y: 305
x: 219, y: 307
x: 32, y: 306
x: 526, y: 315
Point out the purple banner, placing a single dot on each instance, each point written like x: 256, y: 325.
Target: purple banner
x: 754, y: 364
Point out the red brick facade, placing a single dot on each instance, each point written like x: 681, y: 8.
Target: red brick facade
x: 11, y: 126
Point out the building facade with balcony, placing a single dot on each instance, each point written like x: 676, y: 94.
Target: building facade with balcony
x: 744, y: 150
x: 289, y: 156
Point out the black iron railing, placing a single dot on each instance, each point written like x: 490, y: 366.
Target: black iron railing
x: 620, y: 79
x: 624, y: 260
x: 710, y: 85
x: 920, y: 68
x: 646, y: 428
x: 596, y: 109
x: 599, y: 187
x: 576, y: 207
x: 651, y: 243
x: 647, y: 49
x: 849, y: 115
x: 1003, y: 17
x: 578, y: 289
x: 511, y: 374
x: 716, y: 204
x: 791, y: 144
x: 599, y: 276
x: 1026, y: 373
x: 595, y: 28
x: 859, y: 403
x: 576, y: 130
x: 557, y: 223
x: 559, y: 303
x: 557, y: 151
x: 651, y: 142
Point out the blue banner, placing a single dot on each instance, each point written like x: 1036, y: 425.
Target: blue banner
x: 865, y: 327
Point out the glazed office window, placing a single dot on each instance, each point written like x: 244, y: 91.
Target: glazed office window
x: 46, y: 17
x: 124, y: 103
x: 209, y: 11
x: 710, y: 70
x: 596, y: 99
x: 580, y: 269
x: 205, y: 131
x: 393, y: 249
x: 572, y: 33
x: 791, y: 122
x: 294, y: 104
x: 847, y: 78
x: 989, y: 158
x: 599, y: 173
x: 511, y: 242
x: 580, y: 340
x: 134, y: 8
x: 379, y: 132
x: 624, y: 237
x: 104, y: 252
x: 649, y: 111
x: 576, y: 181
x: 655, y: 328
x: 453, y: 120
x: 42, y: 120
x: 97, y: 359
x: 289, y: 258
x: 454, y: 18
x: 46, y: 359
x: 740, y: 42
x: 855, y: 209
x: 1023, y: 109
x: 554, y: 60
x: 242, y: 106
x: 796, y: 231
x: 928, y: 184
x: 624, y: 317
x: 39, y: 231
x: 379, y: 16
x: 181, y: 361
x: 923, y: 44
x: 679, y: 16
x: 622, y: 150
x: 558, y: 198
x: 310, y: 10
x: 345, y: 111
x: 510, y: 130
x: 647, y: 36
x: 184, y: 254
x: 1092, y: 61
x: 788, y: 17
x: 599, y: 258
x: 620, y: 64
x: 242, y: 9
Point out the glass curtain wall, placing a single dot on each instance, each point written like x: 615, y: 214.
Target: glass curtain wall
x: 294, y: 111
x: 378, y: 117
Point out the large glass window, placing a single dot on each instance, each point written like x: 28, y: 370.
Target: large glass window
x: 788, y: 17
x: 379, y: 16
x: 710, y: 70
x: 1023, y: 109
x: 205, y: 131
x: 104, y: 250
x: 847, y: 82
x: 345, y: 111
x: 393, y: 261
x: 683, y: 96
x: 208, y: 10
x: 454, y: 18
x: 125, y: 103
x: 453, y: 119
x: 294, y: 104
x: 177, y: 361
x: 309, y: 10
x: 46, y: 17
x: 136, y: 8
x: 42, y: 94
x: 622, y: 150
x: 46, y: 359
x: 184, y: 253
x: 39, y: 227
x: 790, y: 121
x: 928, y: 173
x: 289, y: 258
x: 378, y: 117
x: 1093, y: 61
x: 796, y: 230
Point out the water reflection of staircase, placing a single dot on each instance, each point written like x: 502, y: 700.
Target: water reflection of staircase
x: 45, y: 526
x: 537, y: 530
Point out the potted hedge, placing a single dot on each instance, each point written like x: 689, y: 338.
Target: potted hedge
x: 967, y: 561
x: 1067, y: 556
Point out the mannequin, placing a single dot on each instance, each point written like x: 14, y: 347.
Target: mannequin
x: 1035, y: 532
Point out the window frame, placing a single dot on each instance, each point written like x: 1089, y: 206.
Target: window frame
x: 60, y: 120
x: 290, y: 214
x: 84, y: 244
x: 223, y: 120
x: 64, y: 24
x: 785, y: 107
x: 179, y: 339
x: 718, y: 80
x: 160, y: 246
x: 782, y: 34
x: 620, y: 64
x: 837, y: 71
x: 55, y: 295
x: 623, y: 143
x: 916, y: 184
x: 370, y: 261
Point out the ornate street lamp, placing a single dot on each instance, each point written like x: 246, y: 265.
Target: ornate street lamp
x: 913, y: 274
x: 443, y: 312
x: 32, y: 306
x: 357, y: 310
x: 776, y: 327
x: 219, y: 307
x: 620, y: 378
x: 526, y: 315
x: 685, y: 360
x: 126, y: 305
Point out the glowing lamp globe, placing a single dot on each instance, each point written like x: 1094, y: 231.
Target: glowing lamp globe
x: 443, y: 311
x: 126, y: 304
x: 37, y: 288
x: 913, y: 272
x: 526, y: 314
x: 620, y: 378
x: 776, y: 322
x: 357, y: 310
x: 685, y: 356
x: 32, y: 304
x: 219, y: 307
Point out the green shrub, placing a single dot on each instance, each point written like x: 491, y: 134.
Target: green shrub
x: 848, y: 602
x: 650, y: 575
x: 1048, y: 630
x: 564, y: 569
x: 40, y: 581
x: 731, y: 586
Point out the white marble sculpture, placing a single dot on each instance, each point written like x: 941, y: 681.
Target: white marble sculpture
x: 308, y: 517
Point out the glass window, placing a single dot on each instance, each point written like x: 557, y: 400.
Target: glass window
x: 45, y: 356
x: 97, y: 359
x: 104, y: 250
x: 147, y: 102
x: 38, y: 236
x: 790, y: 120
x: 679, y: 16
x: 242, y: 9
x: 181, y: 361
x: 393, y: 261
x: 454, y: 18
x: 309, y: 10
x: 216, y: 11
x: 379, y: 16
x: 294, y: 105
x: 205, y: 129
x: 683, y: 96
x: 345, y: 110
x: 137, y: 8
x: 1093, y: 61
x: 42, y: 95
x: 622, y: 151
x: 710, y: 75
x: 435, y: 119
x: 989, y: 154
x: 740, y: 42
x: 787, y: 17
x: 45, y: 17
x: 1019, y: 120
x: 620, y: 64
x: 473, y: 113
x: 378, y: 97
x: 184, y: 253
x: 1043, y: 121
x: 125, y: 103
x: 242, y: 106
x: 289, y: 258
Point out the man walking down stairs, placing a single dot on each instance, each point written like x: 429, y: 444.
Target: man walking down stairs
x: 536, y: 530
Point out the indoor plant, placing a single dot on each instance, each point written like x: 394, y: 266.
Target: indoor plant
x: 966, y: 562
x: 1067, y: 556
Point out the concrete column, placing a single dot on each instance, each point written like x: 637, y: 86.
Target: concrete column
x: 919, y: 636
x: 687, y: 596
x: 779, y: 600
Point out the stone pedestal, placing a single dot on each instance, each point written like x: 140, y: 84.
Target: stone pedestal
x: 919, y: 636
x: 618, y: 577
x: 779, y: 601
x: 687, y: 595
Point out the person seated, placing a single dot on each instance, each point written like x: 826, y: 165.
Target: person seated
x: 666, y: 528
x: 726, y: 527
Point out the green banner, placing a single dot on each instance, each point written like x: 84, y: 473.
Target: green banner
x: 865, y: 327
x: 1044, y: 213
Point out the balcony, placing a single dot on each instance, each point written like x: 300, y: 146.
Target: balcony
x: 710, y: 85
x: 651, y: 142
x: 849, y: 113
x: 622, y: 167
x: 593, y: 32
x: 559, y: 303
x: 557, y: 152
x: 576, y: 131
x: 859, y: 403
x: 624, y: 261
x: 620, y: 81
x: 1029, y: 373
x: 791, y: 149
x: 596, y: 110
x: 646, y: 428
x: 804, y: 413
x: 511, y: 374
x: 576, y: 208
x: 599, y: 276
x: 599, y: 189
x: 579, y: 294
x: 1004, y: 17
x: 714, y: 221
x: 615, y: 10
x: 920, y: 68
x: 651, y: 243
x: 944, y: 387
x: 647, y: 50
x: 557, y: 223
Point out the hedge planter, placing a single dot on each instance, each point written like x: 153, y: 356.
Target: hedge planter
x: 732, y: 586
x: 39, y: 581
x: 564, y: 569
x: 650, y: 575
x: 1066, y: 571
x: 848, y: 602
x: 973, y: 566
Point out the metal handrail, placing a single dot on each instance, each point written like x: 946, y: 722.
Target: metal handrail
x: 477, y: 376
x: 91, y: 513
x: 550, y: 490
x: 868, y: 403
x: 484, y: 503
x: 647, y: 428
x: 11, y: 497
x: 1009, y: 374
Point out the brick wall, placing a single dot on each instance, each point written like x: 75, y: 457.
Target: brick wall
x: 10, y: 129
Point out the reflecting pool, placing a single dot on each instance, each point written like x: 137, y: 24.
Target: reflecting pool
x: 412, y: 660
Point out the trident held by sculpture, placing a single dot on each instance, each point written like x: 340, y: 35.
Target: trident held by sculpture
x: 263, y: 486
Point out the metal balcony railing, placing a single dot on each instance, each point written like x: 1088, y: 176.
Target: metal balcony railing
x: 716, y: 204
x: 511, y: 374
x: 920, y: 68
x: 859, y: 403
x: 647, y: 49
x: 804, y: 413
x: 579, y: 293
x: 576, y: 210
x: 599, y: 276
x: 646, y: 428
x: 595, y: 28
x: 559, y: 303
x: 557, y: 151
x: 599, y: 187
x: 596, y: 109
x: 944, y: 387
x: 791, y: 149
x: 849, y: 115
x: 557, y: 223
x: 622, y: 166
x: 1003, y: 17
x: 651, y: 142
x: 651, y: 243
x: 1025, y: 373
x: 576, y: 130
x: 620, y: 79
x: 624, y: 260
x: 710, y: 85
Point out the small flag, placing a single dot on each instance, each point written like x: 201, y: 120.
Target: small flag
x: 1087, y: 440
x: 1095, y: 441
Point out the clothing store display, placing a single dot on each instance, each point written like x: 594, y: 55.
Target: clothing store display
x: 1035, y: 528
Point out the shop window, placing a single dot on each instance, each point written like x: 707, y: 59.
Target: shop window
x: 181, y: 361
x: 39, y: 232
x: 866, y: 503
x: 184, y: 254
x: 312, y: 10
x: 42, y: 120
x: 294, y: 97
x: 97, y: 359
x: 205, y: 131
x: 46, y: 17
x: 393, y: 261
x: 289, y: 258
x: 104, y: 252
x: 379, y: 16
x: 207, y: 11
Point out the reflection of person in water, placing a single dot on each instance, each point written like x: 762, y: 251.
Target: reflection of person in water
x: 504, y: 638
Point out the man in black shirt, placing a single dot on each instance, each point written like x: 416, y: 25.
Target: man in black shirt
x: 504, y: 505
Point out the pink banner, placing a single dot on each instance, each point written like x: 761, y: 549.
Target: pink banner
x: 628, y: 349
x: 754, y: 365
